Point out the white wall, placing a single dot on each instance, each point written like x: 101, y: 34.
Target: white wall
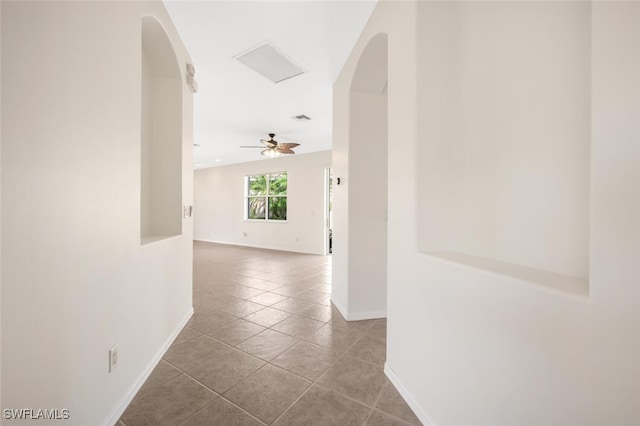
x: 516, y: 131
x: 219, y: 204
x: 0, y: 208
x: 75, y: 279
x: 367, y: 208
x: 359, y: 273
x: 161, y: 186
x: 509, y: 351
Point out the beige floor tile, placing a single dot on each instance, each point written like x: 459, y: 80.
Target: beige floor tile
x: 378, y: 329
x: 161, y: 374
x: 267, y: 393
x: 223, y: 413
x: 267, y: 317
x: 333, y: 337
x: 196, y: 351
x: 268, y: 344
x: 236, y: 332
x: 369, y: 349
x: 312, y: 296
x: 345, y: 357
x: 360, y: 326
x: 302, y: 286
x: 185, y: 335
x: 324, y: 407
x: 391, y: 402
x: 293, y: 306
x: 225, y: 370
x: 381, y: 419
x: 356, y: 379
x: 324, y: 288
x: 306, y: 360
x: 242, y: 308
x: 326, y: 302
x: 268, y: 299
x: 168, y: 404
x: 212, y: 300
x: 287, y: 290
x: 259, y: 282
x: 208, y: 321
x: 240, y: 291
x: 321, y: 312
x: 297, y: 326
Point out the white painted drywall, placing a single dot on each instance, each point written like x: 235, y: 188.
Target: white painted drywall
x: 368, y: 206
x: 467, y: 346
x: 0, y: 208
x: 516, y: 132
x: 360, y: 291
x: 75, y: 279
x: 161, y: 135
x: 219, y: 204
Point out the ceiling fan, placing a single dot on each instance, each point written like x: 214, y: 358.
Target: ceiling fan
x: 273, y: 148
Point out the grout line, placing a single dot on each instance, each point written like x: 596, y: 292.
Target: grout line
x: 231, y: 281
x: 221, y: 395
x: 373, y: 407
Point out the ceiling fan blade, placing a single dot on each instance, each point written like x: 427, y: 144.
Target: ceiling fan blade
x: 270, y: 144
x: 288, y: 145
x: 285, y: 150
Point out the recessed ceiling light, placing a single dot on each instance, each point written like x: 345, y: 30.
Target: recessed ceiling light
x: 270, y: 62
x: 301, y: 117
x: 217, y: 160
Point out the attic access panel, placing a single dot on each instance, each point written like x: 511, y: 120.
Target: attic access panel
x: 269, y: 62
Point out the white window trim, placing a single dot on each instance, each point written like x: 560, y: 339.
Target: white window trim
x: 266, y: 213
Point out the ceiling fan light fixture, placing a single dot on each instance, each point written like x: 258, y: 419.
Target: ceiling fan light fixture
x: 271, y: 153
x: 272, y: 148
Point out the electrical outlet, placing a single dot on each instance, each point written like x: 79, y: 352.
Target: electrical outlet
x: 113, y: 358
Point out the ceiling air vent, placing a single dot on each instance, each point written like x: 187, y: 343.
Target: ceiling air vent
x: 301, y: 117
x: 269, y: 62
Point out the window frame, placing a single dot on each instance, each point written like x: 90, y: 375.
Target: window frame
x: 266, y: 196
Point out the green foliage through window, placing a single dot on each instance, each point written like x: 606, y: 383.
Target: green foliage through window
x: 267, y: 196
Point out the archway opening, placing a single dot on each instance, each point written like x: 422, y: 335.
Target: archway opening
x: 368, y: 153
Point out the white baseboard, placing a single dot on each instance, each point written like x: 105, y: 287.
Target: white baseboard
x: 124, y: 403
x: 422, y: 416
x: 235, y: 243
x: 358, y: 316
x: 339, y: 307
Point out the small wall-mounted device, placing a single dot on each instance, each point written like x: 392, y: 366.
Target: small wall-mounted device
x: 338, y: 181
x: 188, y: 211
x: 113, y: 358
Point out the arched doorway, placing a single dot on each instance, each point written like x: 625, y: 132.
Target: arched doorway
x: 367, y: 201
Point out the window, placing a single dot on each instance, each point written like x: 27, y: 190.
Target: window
x: 267, y: 196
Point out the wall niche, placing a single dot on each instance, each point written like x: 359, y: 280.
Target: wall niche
x: 504, y: 151
x: 161, y: 136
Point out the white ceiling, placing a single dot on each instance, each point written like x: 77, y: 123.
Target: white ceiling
x: 236, y: 106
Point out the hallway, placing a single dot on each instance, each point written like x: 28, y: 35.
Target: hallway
x: 265, y: 346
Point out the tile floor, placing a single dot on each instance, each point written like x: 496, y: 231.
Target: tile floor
x: 265, y: 346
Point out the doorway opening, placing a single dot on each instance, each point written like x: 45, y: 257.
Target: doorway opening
x: 368, y: 182
x: 328, y: 211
